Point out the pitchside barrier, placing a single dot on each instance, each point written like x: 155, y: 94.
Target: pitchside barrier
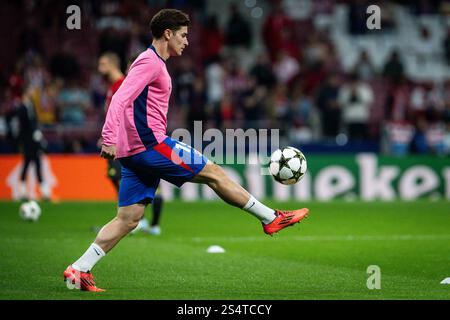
x: 364, y: 176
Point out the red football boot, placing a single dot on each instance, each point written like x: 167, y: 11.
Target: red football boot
x: 80, y: 280
x: 285, y: 219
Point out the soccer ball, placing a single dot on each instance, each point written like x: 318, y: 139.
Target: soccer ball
x: 30, y: 211
x: 287, y: 165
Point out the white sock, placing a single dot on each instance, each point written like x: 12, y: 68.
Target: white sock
x: 45, y: 190
x: 260, y: 211
x: 88, y: 260
x: 23, y: 190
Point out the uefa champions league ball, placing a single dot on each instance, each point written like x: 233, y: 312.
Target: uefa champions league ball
x: 287, y: 165
x: 30, y: 211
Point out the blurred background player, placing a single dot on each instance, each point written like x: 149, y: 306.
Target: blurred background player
x: 109, y: 67
x: 32, y: 144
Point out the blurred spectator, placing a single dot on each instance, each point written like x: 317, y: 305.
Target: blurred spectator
x: 427, y: 98
x: 197, y: 108
x: 29, y: 39
x: 327, y: 103
x: 398, y: 136
x: 16, y: 82
x: 212, y: 40
x: 445, y: 94
x: 355, y: 99
x: 281, y: 107
x: 285, y: 67
x: 393, y: 69
x: 435, y: 137
x: 139, y: 41
x: 440, y: 95
x: 331, y: 62
x: 238, y: 38
x: 97, y: 87
x: 238, y: 32
x: 302, y: 116
x: 387, y: 9
x: 419, y: 99
x: 317, y: 50
x: 424, y: 7
x: 64, y: 65
x: 215, y: 86
x: 235, y: 81
x: 301, y: 105
x: 111, y: 17
x: 446, y: 45
x: 35, y: 73
x: 300, y: 134
x: 397, y: 101
x: 424, y: 47
x: 364, y: 67
x: 183, y: 82
x: 254, y: 100
x: 447, y: 138
x: 314, y: 76
x: 226, y: 113
x: 357, y: 17
x: 263, y: 73
x: 435, y: 126
x: 276, y: 20
x: 420, y: 143
x: 44, y: 102
x: 73, y: 101
x: 289, y: 42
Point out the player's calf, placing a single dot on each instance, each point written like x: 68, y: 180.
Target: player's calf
x: 127, y: 219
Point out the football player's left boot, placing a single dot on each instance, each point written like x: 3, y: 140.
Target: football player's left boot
x: 285, y: 219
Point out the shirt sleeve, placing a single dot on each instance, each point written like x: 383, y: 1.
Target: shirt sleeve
x: 141, y: 73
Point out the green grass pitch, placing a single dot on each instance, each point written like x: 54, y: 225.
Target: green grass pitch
x: 324, y: 257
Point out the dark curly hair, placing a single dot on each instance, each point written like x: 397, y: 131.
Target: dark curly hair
x: 172, y: 19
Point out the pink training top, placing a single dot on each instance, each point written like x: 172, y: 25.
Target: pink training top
x: 137, y: 116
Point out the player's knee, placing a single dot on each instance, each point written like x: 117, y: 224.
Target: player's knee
x: 131, y: 225
x: 216, y: 173
x: 130, y: 216
x: 211, y: 175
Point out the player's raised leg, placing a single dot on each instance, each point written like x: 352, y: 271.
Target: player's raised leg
x: 79, y: 273
x: 234, y: 194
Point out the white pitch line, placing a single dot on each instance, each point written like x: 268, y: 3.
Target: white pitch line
x: 405, y: 237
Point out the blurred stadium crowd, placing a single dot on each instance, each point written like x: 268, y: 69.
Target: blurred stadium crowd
x: 310, y: 68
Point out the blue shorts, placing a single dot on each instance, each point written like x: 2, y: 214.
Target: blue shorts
x: 170, y: 160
